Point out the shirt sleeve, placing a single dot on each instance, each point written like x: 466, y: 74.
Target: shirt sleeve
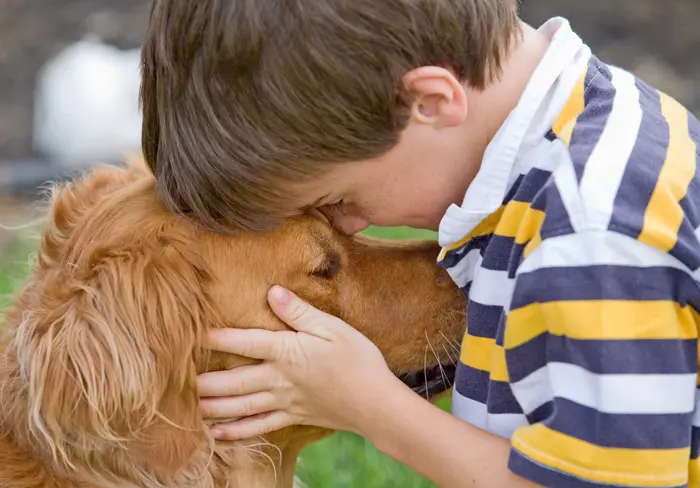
x: 602, y: 353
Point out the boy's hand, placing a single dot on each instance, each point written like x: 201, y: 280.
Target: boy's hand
x: 325, y: 374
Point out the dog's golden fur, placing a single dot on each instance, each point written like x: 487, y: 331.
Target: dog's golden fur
x: 99, y: 362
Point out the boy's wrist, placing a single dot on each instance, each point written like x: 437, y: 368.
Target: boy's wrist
x: 376, y: 424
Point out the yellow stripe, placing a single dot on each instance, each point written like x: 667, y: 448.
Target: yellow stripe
x: 530, y: 226
x: 694, y: 473
x: 564, y: 125
x: 643, y: 467
x: 512, y: 218
x: 601, y: 319
x: 532, y: 245
x: 520, y: 221
x: 664, y: 215
x: 485, y: 227
x: 484, y: 354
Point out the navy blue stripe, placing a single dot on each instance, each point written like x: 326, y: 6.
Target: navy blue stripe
x: 556, y: 219
x: 513, y: 189
x: 604, y: 282
x: 695, y: 443
x: 541, y: 413
x: 687, y: 249
x: 533, y: 471
x: 501, y: 399
x: 694, y: 130
x: 500, y: 330
x: 624, y: 431
x: 477, y: 385
x: 550, y: 135
x: 611, y: 356
x: 591, y: 72
x: 623, y: 356
x: 472, y: 383
x: 466, y: 289
x: 453, y: 257
x: 602, y: 67
x: 533, y: 182
x: 690, y: 203
x: 515, y: 259
x: 599, y: 95
x: 644, y: 165
x: 527, y: 358
x: 482, y: 320
x: 497, y: 255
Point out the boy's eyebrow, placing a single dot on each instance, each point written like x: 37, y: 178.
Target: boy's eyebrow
x: 314, y: 205
x: 319, y: 201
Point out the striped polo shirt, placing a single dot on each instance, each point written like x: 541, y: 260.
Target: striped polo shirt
x: 577, y: 248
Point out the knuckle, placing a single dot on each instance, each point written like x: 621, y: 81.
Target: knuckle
x: 235, y: 386
x: 247, y: 348
x: 247, y: 408
x: 208, y: 409
x: 298, y: 310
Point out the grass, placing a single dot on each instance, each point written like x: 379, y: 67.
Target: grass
x: 342, y: 460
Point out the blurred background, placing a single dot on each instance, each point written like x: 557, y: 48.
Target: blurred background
x: 68, y: 98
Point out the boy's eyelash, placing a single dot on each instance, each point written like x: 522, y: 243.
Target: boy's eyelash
x: 337, y: 204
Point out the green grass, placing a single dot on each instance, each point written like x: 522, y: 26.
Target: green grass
x: 342, y: 460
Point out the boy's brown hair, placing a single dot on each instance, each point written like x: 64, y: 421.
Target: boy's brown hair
x: 243, y: 99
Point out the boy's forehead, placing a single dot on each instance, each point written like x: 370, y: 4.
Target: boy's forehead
x: 332, y: 185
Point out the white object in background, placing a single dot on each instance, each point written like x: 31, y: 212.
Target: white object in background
x: 86, y: 108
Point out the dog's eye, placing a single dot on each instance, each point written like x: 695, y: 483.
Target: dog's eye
x: 330, y: 268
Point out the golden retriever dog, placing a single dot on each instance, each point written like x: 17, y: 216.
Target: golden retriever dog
x: 102, y: 346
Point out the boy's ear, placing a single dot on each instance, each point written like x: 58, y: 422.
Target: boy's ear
x: 437, y: 97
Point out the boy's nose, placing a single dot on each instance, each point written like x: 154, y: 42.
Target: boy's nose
x: 344, y: 219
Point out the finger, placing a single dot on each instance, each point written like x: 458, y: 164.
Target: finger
x: 252, y: 426
x: 300, y: 315
x: 239, y: 406
x: 242, y: 380
x: 251, y: 343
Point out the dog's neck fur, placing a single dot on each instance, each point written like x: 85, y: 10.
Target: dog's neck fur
x: 230, y: 467
x: 250, y: 464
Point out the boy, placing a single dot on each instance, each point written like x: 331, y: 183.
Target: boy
x: 566, y: 199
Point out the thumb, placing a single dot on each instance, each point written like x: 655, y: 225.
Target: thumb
x: 298, y: 314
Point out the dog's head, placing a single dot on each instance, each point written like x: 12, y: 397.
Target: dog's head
x: 99, y: 371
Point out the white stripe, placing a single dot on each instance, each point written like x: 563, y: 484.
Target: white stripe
x: 597, y: 247
x: 533, y: 391
x: 567, y: 185
x: 610, y: 393
x: 696, y: 415
x: 492, y: 288
x: 608, y: 160
x: 501, y: 424
x: 463, y: 272
x: 696, y: 273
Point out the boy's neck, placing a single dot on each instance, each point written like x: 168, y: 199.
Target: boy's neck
x: 489, y: 108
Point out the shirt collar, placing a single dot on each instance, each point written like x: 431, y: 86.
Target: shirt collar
x: 525, y: 122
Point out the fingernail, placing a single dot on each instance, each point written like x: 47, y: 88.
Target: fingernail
x: 280, y: 295
x: 217, y: 432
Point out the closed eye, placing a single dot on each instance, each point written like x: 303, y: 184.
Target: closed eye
x: 330, y: 268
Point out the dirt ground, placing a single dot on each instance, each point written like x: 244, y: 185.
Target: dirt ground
x: 658, y: 39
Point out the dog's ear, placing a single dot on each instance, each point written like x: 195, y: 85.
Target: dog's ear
x: 108, y: 356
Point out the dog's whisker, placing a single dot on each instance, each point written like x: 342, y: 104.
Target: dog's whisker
x: 425, y: 371
x: 445, y: 381
x: 451, y: 342
x: 447, y: 351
